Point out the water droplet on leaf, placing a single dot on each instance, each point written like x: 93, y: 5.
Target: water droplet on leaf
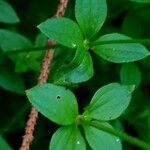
x: 78, y: 142
x: 74, y: 45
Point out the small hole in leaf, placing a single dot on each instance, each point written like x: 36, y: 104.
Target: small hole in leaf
x: 58, y: 97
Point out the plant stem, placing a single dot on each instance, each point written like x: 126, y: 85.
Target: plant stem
x: 33, y: 49
x: 40, y: 48
x: 44, y: 72
x: 121, y: 135
x: 143, y: 41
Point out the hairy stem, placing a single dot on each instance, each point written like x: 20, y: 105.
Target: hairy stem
x: 30, y: 127
x: 121, y: 135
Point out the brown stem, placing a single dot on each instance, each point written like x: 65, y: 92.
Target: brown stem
x: 30, y: 126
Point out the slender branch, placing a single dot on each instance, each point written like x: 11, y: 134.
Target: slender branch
x: 40, y: 48
x: 142, y: 41
x: 30, y: 127
x: 33, y: 49
x: 121, y: 135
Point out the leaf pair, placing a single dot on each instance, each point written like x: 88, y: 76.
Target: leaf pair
x: 90, y: 15
x: 60, y: 105
x: 70, y: 138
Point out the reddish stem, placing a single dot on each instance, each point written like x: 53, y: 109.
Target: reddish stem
x: 30, y: 126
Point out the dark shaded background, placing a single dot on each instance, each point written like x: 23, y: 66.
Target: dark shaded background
x: 132, y: 19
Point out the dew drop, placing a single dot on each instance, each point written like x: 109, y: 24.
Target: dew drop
x: 117, y: 140
x: 78, y: 142
x: 74, y: 45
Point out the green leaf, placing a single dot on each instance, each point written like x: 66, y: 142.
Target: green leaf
x: 80, y: 69
x: 7, y: 13
x: 90, y: 15
x: 23, y: 61
x: 120, y: 53
x: 40, y: 40
x: 133, y: 26
x: 143, y: 14
x: 130, y: 74
x: 55, y: 102
x: 141, y: 1
x: 3, y: 144
x: 11, y: 81
x: 34, y: 65
x: 100, y: 140
x: 67, y: 138
x: 16, y: 41
x: 21, y: 66
x: 2, y: 57
x: 109, y: 102
x: 63, y: 30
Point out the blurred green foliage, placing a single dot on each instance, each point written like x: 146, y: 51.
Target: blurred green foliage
x: 19, y: 71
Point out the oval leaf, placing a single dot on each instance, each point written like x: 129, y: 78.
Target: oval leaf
x: 3, y: 144
x: 67, y: 138
x: 130, y: 74
x: 100, y: 140
x: 7, y: 13
x: 63, y: 30
x: 11, y: 81
x: 79, y: 70
x: 16, y: 41
x: 90, y: 15
x: 109, y: 102
x: 120, y: 53
x: 55, y: 102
